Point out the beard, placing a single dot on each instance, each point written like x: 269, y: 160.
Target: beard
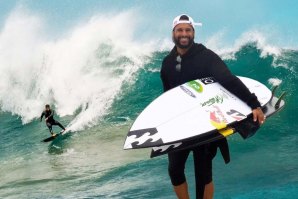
x: 179, y: 44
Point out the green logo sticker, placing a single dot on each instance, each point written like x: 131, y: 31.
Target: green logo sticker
x: 196, y: 86
x: 217, y: 99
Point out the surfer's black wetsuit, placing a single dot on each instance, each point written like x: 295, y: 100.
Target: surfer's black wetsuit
x: 200, y: 62
x: 50, y: 122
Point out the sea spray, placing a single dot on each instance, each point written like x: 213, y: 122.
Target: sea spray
x: 84, y: 69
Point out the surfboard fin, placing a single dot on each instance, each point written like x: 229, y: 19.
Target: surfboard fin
x: 277, y: 104
x: 273, y: 90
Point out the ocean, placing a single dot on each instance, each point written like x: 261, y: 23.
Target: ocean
x: 98, y: 66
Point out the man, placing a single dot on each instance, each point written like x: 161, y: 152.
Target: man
x: 49, y: 119
x: 189, y: 61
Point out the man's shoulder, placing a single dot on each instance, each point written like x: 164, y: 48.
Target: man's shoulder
x: 168, y: 59
x: 200, y: 48
x: 206, y: 53
x: 170, y: 55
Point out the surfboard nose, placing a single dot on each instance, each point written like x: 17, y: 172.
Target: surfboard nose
x: 143, y: 138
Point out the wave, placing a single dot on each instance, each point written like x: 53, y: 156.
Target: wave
x: 253, y: 36
x: 84, y: 70
x: 79, y: 73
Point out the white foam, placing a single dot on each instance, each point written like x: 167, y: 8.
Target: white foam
x: 69, y: 152
x: 274, y: 81
x: 85, y: 68
x: 227, y: 51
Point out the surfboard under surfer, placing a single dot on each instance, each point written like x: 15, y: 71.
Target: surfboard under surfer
x: 49, y: 119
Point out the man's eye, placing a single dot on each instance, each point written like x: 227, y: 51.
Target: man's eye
x: 186, y: 30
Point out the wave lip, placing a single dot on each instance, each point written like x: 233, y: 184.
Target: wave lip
x: 250, y: 37
x: 82, y: 70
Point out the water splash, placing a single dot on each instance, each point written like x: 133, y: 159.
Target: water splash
x: 256, y: 37
x: 82, y: 70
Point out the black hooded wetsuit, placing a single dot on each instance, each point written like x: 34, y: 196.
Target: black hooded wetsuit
x: 50, y: 122
x: 200, y: 62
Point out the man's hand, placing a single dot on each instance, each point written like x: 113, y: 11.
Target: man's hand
x: 46, y: 119
x: 258, y: 115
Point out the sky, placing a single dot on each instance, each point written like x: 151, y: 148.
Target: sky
x: 273, y: 17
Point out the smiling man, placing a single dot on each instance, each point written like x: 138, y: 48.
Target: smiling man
x: 189, y: 61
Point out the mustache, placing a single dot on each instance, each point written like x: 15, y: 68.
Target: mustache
x: 177, y: 41
x: 184, y: 37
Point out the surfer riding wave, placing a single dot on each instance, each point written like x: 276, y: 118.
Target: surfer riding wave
x: 49, y: 119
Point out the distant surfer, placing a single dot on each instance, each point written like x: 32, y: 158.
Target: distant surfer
x: 189, y: 61
x: 49, y: 119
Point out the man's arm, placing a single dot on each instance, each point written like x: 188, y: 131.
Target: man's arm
x: 222, y: 74
x: 42, y: 114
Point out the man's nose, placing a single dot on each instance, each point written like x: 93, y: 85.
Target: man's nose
x: 184, y: 32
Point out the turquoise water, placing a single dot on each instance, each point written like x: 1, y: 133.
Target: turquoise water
x: 99, y: 81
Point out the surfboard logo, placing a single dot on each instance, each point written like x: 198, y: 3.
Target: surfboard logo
x: 236, y: 115
x: 164, y: 148
x: 217, y: 118
x: 187, y: 91
x: 216, y: 99
x: 196, y: 86
x: 208, y: 80
x: 142, y: 138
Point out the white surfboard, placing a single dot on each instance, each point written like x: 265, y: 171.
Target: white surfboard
x: 195, y: 108
x: 246, y: 128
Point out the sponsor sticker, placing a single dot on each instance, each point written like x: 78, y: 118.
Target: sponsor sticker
x: 208, y: 80
x: 217, y: 118
x: 196, y: 86
x: 187, y: 91
x: 236, y: 115
x: 216, y: 99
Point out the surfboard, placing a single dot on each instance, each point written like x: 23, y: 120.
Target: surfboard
x: 51, y: 138
x: 245, y: 128
x: 199, y: 108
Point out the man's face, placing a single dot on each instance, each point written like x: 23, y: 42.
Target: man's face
x: 47, y: 108
x: 183, y: 35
